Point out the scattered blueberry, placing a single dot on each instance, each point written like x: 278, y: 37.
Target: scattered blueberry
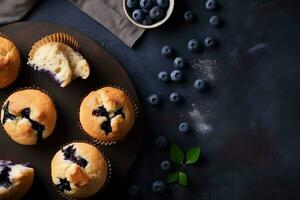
x: 214, y: 21
x: 163, y: 76
x: 210, y: 42
x: 184, y: 127
x: 189, y: 16
x: 138, y: 15
x: 146, y: 4
x: 211, y: 5
x: 193, y: 45
x: 157, y: 13
x: 167, y: 51
x: 132, y: 3
x: 175, y: 97
x: 158, y: 187
x: 165, y: 165
x: 134, y: 191
x: 176, y: 76
x: 179, y: 62
x: 161, y: 142
x: 199, y: 84
x: 147, y: 20
x: 163, y: 3
x: 154, y: 99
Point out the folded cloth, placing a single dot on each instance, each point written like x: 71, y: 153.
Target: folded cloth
x: 14, y: 10
x: 111, y: 15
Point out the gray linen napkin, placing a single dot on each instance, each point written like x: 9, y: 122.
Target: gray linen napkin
x: 111, y: 15
x: 14, y: 10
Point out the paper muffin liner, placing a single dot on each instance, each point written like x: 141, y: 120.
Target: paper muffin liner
x: 133, y: 102
x: 109, y: 170
x: 20, y: 64
x: 32, y: 88
x: 55, y: 37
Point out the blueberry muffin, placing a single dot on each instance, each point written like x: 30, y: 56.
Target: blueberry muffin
x: 107, y: 114
x: 15, y: 179
x: 79, y: 170
x: 28, y: 116
x: 9, y: 62
x: 59, y: 60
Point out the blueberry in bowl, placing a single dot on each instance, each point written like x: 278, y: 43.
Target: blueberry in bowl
x: 148, y: 13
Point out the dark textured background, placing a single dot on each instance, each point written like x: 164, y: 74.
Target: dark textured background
x: 247, y: 124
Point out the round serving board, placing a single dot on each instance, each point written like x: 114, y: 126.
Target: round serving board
x: 105, y: 70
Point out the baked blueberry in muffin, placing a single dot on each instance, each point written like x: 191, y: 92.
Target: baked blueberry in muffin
x: 15, y: 179
x: 9, y: 62
x: 107, y: 114
x: 28, y: 116
x: 58, y: 59
x: 79, y: 170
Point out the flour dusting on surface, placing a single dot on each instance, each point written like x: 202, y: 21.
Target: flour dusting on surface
x: 199, y: 121
x: 205, y: 67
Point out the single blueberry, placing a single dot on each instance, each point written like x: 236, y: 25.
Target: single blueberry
x: 146, y: 4
x: 210, y: 42
x: 214, y: 21
x: 154, y: 99
x: 163, y: 3
x: 63, y: 185
x: 163, y: 76
x: 132, y: 3
x: 184, y: 127
x: 134, y: 191
x: 157, y: 13
x: 199, y: 84
x: 189, y: 16
x: 158, y: 187
x: 4, y: 177
x: 167, y: 51
x: 81, y: 162
x: 138, y: 15
x: 176, y: 76
x: 193, y: 45
x: 161, y: 142
x: 165, y: 165
x: 147, y: 20
x: 211, y: 5
x: 179, y: 62
x: 175, y: 97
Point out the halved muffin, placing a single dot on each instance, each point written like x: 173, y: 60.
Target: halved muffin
x: 60, y: 60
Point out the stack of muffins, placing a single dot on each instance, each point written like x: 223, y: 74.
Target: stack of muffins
x: 28, y: 116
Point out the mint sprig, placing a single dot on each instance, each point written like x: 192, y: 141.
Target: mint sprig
x: 181, y: 160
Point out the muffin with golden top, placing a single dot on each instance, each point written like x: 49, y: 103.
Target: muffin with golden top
x: 28, y: 116
x: 107, y: 114
x: 9, y: 62
x: 15, y: 179
x: 79, y: 170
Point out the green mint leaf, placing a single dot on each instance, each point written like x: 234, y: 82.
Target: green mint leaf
x: 176, y: 154
x: 172, y: 177
x: 182, y: 179
x: 192, y: 155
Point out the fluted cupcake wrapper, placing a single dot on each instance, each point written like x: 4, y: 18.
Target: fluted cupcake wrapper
x: 33, y: 88
x: 134, y: 104
x: 109, y: 169
x: 55, y: 37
